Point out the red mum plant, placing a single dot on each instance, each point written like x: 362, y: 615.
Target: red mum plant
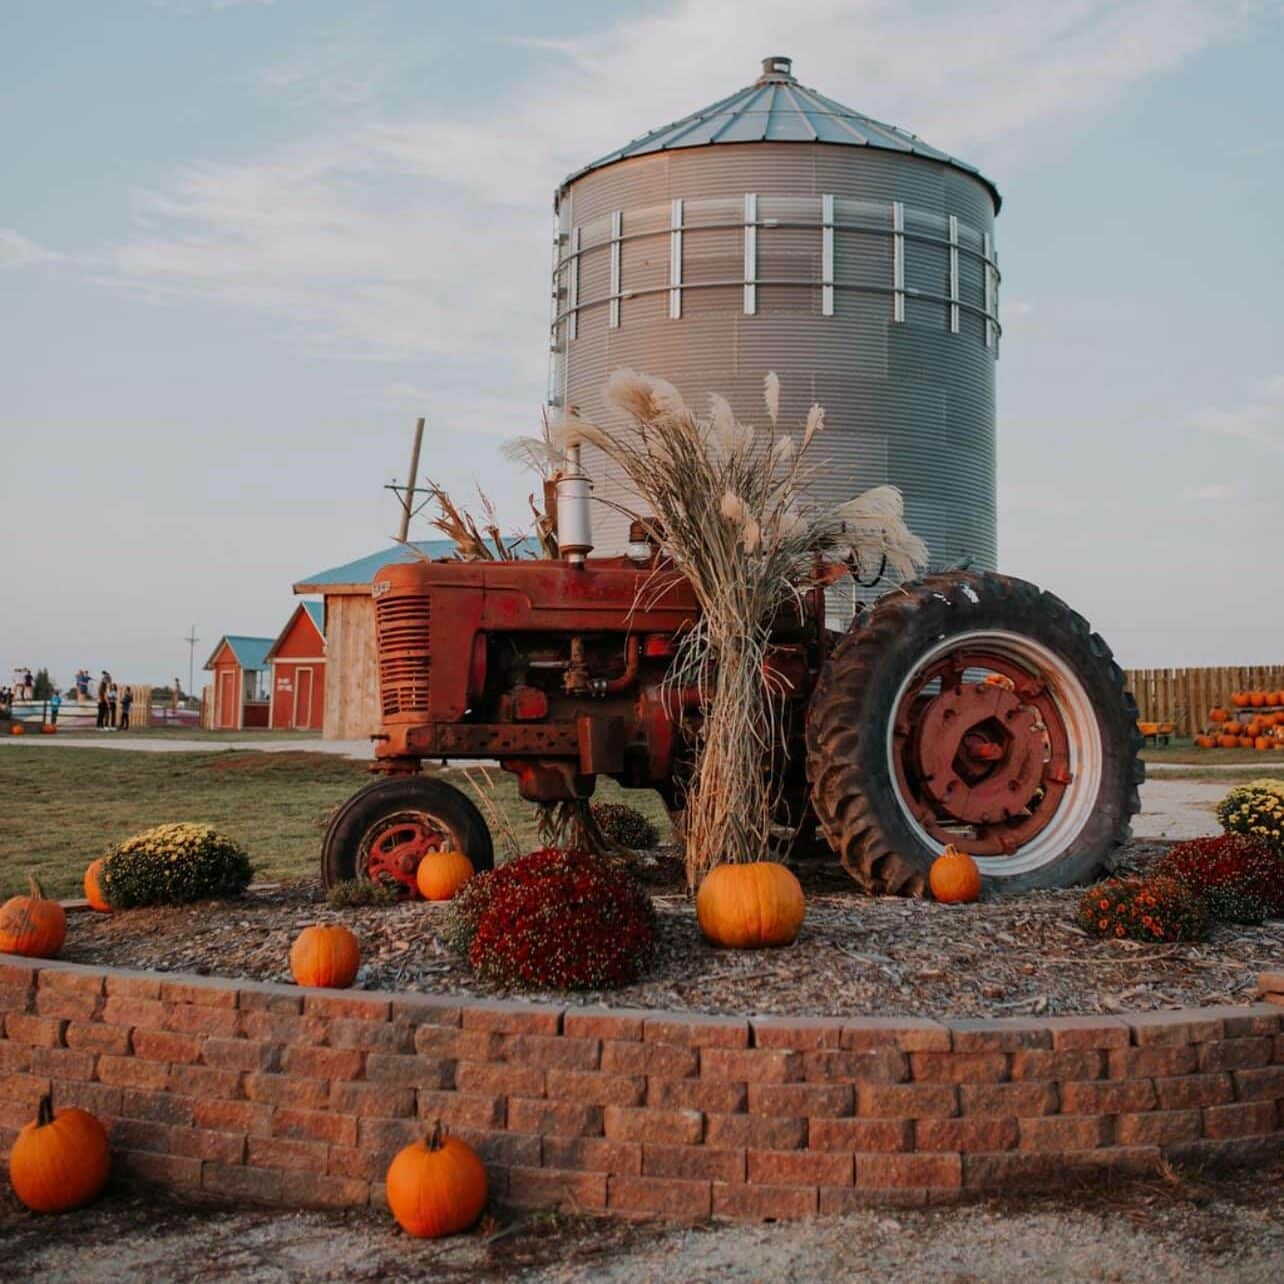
x: 1238, y: 875
x: 1155, y: 910
x: 555, y: 920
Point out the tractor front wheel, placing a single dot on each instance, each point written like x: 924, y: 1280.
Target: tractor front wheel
x: 979, y: 711
x: 383, y: 831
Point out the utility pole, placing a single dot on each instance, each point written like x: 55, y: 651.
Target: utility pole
x: 191, y: 639
x: 408, y: 499
x: 406, y: 494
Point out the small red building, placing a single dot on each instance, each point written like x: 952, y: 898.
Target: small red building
x: 297, y: 658
x: 240, y: 700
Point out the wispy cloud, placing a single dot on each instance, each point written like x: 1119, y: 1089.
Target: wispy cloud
x: 209, y: 6
x: 18, y: 251
x: 1257, y: 420
x: 1209, y: 493
x: 425, y: 232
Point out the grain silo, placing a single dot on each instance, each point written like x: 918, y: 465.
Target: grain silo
x: 779, y: 230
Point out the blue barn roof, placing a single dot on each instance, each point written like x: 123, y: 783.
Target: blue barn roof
x: 251, y: 653
x: 362, y: 571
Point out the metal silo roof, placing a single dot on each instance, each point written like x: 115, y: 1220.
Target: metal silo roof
x: 777, y: 109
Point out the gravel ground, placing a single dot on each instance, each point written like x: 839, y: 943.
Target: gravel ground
x: 1182, y: 1229
x: 856, y: 955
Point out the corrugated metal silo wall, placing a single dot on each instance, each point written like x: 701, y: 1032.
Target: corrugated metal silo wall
x: 907, y: 401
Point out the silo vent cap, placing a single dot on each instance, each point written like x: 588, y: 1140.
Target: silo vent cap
x: 777, y: 69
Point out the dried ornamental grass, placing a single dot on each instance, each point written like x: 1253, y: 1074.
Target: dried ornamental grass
x: 738, y: 525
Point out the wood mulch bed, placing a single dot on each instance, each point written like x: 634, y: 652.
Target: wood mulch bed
x: 856, y: 955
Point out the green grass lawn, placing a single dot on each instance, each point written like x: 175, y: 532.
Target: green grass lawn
x: 196, y: 733
x: 61, y: 807
x: 1227, y: 779
x: 1183, y: 751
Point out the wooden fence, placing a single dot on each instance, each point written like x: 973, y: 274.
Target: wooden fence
x: 1184, y: 696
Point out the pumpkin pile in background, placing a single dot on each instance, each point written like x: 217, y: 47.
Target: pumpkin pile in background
x: 1254, y: 720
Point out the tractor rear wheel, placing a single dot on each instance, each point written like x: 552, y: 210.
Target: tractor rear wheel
x: 384, y: 830
x: 977, y: 710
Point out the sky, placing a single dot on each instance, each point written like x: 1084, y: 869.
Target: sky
x: 244, y: 243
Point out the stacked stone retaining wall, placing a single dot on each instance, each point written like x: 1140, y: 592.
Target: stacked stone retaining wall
x: 273, y: 1094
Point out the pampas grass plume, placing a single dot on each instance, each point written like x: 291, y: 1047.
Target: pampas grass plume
x: 771, y: 394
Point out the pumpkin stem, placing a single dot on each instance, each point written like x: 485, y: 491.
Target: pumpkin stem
x: 37, y: 892
x: 44, y: 1114
x: 437, y: 1136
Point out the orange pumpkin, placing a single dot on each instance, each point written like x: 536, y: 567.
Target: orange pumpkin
x: 747, y: 907
x: 93, y: 887
x: 48, y: 728
x: 325, y: 955
x: 1228, y: 742
x: 1257, y: 699
x: 1240, y: 699
x: 1203, y: 742
x: 61, y: 1161
x: 1262, y: 743
x: 955, y: 877
x: 1246, y: 742
x: 1217, y: 715
x: 32, y: 925
x: 1272, y: 699
x: 17, y: 729
x: 436, y: 1186
x: 442, y: 874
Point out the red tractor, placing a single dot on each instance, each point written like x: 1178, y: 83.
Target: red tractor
x: 966, y: 708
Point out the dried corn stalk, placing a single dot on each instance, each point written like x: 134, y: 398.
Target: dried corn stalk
x: 739, y: 527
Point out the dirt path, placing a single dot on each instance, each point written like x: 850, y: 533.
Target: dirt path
x: 1182, y: 1230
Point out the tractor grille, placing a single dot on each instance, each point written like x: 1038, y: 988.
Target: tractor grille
x: 404, y: 626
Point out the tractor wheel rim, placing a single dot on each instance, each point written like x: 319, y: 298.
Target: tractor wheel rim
x: 1047, y: 760
x: 393, y: 846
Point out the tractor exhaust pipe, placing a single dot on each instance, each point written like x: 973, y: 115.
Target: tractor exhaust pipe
x: 574, y: 525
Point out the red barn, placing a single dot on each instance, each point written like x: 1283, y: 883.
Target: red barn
x: 239, y: 665
x: 298, y: 670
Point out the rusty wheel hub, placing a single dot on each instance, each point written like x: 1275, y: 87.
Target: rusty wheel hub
x: 980, y: 751
x: 392, y: 850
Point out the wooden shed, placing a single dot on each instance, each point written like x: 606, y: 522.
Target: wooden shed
x: 351, y: 709
x: 240, y: 694
x: 298, y: 663
x: 352, y: 679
